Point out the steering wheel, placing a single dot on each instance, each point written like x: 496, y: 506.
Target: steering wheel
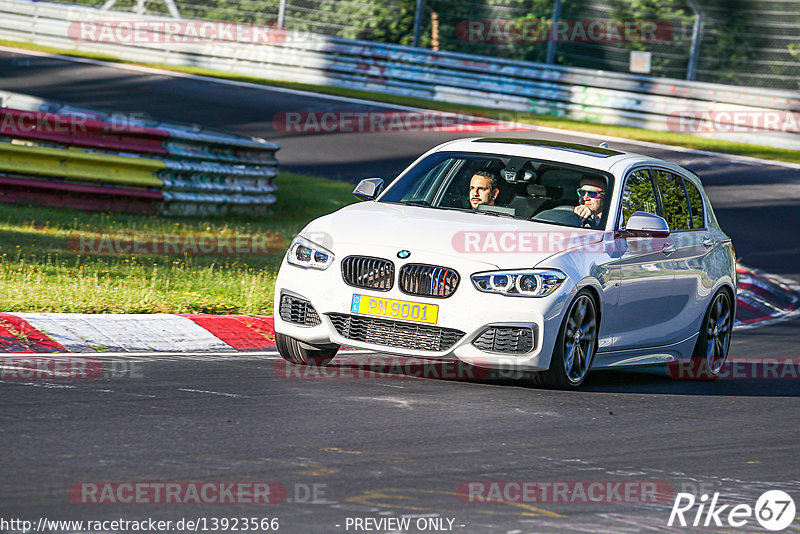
x: 560, y: 215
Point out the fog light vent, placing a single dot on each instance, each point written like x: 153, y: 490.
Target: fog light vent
x: 505, y: 339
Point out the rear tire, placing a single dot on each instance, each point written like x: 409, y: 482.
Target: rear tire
x: 575, y: 346
x: 294, y: 351
x: 713, y: 342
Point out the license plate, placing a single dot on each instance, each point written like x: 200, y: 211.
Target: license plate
x: 395, y: 309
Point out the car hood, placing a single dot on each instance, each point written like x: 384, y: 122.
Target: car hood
x: 499, y: 241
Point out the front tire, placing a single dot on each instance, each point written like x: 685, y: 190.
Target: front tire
x: 294, y: 351
x: 576, y: 345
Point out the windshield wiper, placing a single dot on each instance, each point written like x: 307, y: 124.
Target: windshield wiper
x: 426, y: 204
x: 497, y: 214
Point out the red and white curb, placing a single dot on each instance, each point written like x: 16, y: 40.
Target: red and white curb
x: 762, y: 299
x: 80, y: 332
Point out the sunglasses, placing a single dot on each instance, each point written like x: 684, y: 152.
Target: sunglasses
x: 592, y: 194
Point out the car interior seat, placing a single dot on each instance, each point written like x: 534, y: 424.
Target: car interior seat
x: 533, y: 199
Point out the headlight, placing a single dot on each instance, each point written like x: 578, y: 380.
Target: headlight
x: 305, y: 253
x: 534, y: 283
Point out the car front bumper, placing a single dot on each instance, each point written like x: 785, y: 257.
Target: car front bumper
x: 468, y: 311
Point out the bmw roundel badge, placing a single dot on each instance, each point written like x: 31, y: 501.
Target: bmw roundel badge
x: 403, y: 254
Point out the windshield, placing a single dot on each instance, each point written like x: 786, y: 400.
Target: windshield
x: 506, y: 186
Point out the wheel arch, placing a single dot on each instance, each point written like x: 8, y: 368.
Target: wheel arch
x: 592, y: 286
x: 731, y: 291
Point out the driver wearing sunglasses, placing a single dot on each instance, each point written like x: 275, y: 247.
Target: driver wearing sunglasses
x: 591, y: 193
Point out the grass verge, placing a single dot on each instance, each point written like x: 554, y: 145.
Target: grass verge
x: 42, y: 270
x: 667, y: 138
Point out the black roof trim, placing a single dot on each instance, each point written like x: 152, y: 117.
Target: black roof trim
x: 587, y: 150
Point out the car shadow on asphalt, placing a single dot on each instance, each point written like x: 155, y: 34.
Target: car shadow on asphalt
x: 739, y: 381
x: 657, y: 381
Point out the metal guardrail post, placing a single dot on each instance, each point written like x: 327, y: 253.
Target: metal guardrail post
x: 697, y: 30
x: 140, y: 7
x: 418, y: 22
x: 282, y: 14
x: 551, y: 42
x: 173, y: 9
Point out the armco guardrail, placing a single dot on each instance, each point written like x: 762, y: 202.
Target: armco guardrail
x: 80, y: 132
x: 59, y: 155
x: 585, y: 94
x: 80, y: 165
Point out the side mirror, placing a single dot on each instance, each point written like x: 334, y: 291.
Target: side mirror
x: 643, y: 224
x: 368, y: 188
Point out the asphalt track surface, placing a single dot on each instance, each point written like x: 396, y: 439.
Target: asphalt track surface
x: 397, y: 446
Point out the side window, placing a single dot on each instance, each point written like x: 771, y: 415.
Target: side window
x: 638, y: 195
x: 695, y: 205
x: 673, y: 200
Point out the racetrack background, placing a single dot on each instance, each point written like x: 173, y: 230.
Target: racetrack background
x: 393, y: 448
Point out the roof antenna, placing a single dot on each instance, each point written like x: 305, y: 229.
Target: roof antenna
x: 603, y: 145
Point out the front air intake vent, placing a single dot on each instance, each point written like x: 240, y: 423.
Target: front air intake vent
x: 510, y: 340
x: 394, y: 333
x: 298, y: 311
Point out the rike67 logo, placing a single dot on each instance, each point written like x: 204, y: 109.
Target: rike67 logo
x: 774, y: 510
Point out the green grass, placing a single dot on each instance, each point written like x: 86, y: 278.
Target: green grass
x: 667, y: 138
x: 40, y: 272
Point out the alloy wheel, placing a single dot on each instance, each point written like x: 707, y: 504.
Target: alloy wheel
x: 579, y: 338
x: 718, y: 332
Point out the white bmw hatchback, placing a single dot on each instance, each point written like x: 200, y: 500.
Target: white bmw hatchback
x: 538, y: 256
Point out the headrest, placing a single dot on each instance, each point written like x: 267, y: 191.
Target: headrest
x: 537, y: 190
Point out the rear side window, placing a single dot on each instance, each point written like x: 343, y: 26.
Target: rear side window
x: 638, y: 195
x: 695, y: 205
x: 673, y: 200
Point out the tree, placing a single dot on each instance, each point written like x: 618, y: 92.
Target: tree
x: 670, y: 57
x: 384, y: 21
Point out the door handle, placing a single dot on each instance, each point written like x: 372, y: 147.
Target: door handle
x: 708, y: 243
x: 668, y: 249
